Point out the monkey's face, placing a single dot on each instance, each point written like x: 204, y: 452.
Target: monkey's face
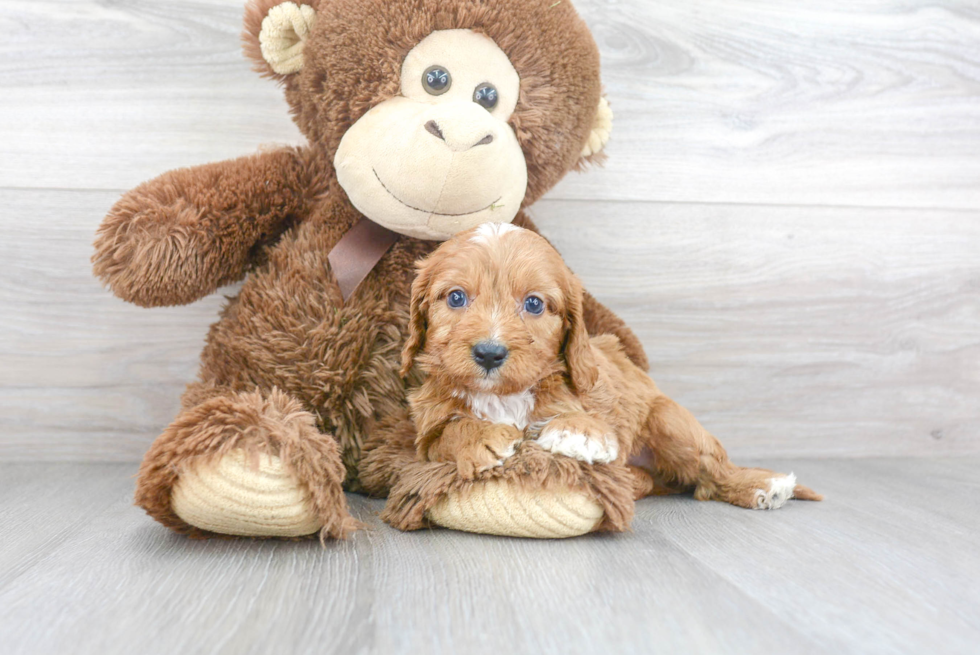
x: 438, y: 115
x: 441, y: 157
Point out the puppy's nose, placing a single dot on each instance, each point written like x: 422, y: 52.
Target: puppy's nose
x: 489, y: 354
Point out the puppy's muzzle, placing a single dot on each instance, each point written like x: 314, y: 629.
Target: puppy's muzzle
x: 490, y: 354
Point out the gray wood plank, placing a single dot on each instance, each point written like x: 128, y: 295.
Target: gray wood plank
x: 873, y: 569
x: 43, y: 506
x: 788, y: 331
x: 100, y: 95
x: 888, y: 564
x: 826, y: 103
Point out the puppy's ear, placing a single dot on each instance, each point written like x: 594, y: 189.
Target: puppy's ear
x: 576, y: 348
x: 418, y: 320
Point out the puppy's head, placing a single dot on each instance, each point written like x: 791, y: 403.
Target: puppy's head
x: 495, y: 309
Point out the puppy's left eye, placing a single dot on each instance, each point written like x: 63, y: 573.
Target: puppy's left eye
x: 533, y: 305
x: 456, y: 299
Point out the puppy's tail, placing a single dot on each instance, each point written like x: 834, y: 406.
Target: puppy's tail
x: 801, y: 492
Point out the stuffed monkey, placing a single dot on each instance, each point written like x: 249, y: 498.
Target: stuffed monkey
x: 423, y: 118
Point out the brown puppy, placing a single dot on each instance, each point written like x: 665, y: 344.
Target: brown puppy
x: 496, y: 323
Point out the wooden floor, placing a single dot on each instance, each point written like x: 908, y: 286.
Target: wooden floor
x: 889, y: 563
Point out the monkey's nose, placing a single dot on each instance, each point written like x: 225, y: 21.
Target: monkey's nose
x: 435, y: 130
x: 490, y: 354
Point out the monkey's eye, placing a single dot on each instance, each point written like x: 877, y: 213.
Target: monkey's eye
x: 457, y: 299
x: 533, y: 305
x: 436, y: 80
x: 486, y: 96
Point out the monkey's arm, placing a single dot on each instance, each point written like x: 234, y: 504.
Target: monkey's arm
x: 180, y: 236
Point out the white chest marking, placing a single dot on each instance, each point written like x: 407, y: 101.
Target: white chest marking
x: 514, y: 409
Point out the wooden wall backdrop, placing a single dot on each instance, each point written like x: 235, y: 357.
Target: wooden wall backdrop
x: 789, y: 217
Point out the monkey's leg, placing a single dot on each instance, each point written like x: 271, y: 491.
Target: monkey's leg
x: 248, y: 464
x: 685, y: 456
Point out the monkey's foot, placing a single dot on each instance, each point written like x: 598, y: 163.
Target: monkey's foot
x: 233, y: 495
x: 503, y: 508
x: 534, y: 494
x: 245, y: 464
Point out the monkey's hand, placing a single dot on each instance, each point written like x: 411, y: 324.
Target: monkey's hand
x: 180, y: 236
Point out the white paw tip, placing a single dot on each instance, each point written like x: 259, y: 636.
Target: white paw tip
x: 780, y: 490
x: 509, y: 452
x: 579, y: 446
x: 504, y: 456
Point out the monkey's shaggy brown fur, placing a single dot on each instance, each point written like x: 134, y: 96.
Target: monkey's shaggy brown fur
x: 290, y: 368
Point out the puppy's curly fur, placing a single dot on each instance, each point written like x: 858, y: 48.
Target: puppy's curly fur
x: 550, y: 384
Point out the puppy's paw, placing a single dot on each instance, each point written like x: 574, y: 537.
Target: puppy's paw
x: 580, y: 437
x: 500, y: 441
x: 488, y: 448
x: 780, y: 490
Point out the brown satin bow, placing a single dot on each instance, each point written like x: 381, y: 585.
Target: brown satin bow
x: 358, y: 252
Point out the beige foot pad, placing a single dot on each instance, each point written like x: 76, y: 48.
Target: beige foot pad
x: 233, y: 496
x: 496, y: 507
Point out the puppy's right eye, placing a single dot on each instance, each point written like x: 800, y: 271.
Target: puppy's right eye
x: 456, y: 299
x: 533, y: 305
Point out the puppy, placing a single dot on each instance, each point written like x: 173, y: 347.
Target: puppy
x: 496, y: 324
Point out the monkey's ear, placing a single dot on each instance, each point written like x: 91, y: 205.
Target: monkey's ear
x: 275, y: 35
x: 601, y: 129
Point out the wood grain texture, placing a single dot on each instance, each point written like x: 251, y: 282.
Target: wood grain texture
x: 788, y: 331
x: 825, y: 102
x: 887, y: 564
x: 106, y: 95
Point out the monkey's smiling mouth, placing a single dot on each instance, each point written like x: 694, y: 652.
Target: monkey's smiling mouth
x: 427, y: 211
